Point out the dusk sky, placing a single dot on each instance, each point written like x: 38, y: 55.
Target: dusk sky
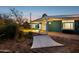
x: 39, y: 10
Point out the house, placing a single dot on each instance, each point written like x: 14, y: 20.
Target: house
x: 60, y: 23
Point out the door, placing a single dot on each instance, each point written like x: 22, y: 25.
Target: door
x: 37, y: 26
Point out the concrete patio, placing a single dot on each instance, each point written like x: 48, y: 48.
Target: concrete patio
x: 41, y: 41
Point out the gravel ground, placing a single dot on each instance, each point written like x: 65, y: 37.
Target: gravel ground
x: 71, y: 45
x: 13, y: 46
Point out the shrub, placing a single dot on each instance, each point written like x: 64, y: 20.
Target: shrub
x: 71, y: 31
x: 30, y: 35
x: 11, y: 30
x: 30, y: 38
x: 68, y: 31
x: 8, y: 31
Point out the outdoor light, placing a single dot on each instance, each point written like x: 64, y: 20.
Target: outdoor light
x: 49, y: 22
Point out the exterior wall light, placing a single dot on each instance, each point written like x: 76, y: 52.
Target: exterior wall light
x: 49, y: 22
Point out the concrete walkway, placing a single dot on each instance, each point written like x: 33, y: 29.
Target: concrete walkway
x: 41, y: 41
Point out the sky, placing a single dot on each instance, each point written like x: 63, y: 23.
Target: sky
x: 37, y: 11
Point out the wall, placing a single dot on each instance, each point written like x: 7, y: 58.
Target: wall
x: 55, y: 26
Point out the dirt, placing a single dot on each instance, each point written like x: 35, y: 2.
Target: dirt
x: 23, y: 46
x: 70, y: 46
x: 15, y: 46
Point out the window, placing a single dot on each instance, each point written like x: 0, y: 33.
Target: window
x: 68, y: 26
x: 32, y: 25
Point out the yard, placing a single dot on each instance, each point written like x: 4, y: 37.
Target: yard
x: 17, y: 33
x: 71, y: 44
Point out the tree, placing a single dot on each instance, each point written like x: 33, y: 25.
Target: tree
x: 18, y: 16
x: 6, y: 18
x: 26, y: 25
x: 44, y: 15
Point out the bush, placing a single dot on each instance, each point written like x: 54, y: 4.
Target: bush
x: 30, y: 35
x: 68, y: 31
x: 11, y: 30
x: 71, y: 31
x: 8, y: 31
x: 30, y: 38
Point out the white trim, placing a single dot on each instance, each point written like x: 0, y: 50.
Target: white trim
x: 67, y: 20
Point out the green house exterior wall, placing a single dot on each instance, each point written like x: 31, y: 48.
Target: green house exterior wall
x: 55, y: 26
x: 76, y: 25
